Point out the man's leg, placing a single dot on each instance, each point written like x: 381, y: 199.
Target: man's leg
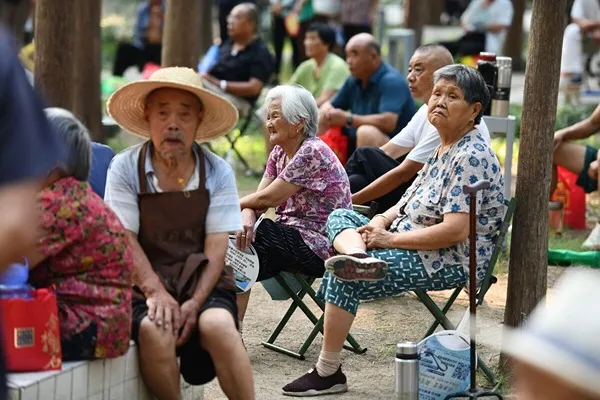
x: 127, y: 56
x: 575, y: 158
x: 220, y: 337
x: 158, y: 363
x: 279, y: 34
x: 368, y: 135
x: 368, y: 164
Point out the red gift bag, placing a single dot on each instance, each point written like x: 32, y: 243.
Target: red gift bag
x: 572, y: 197
x: 336, y: 140
x: 31, y: 333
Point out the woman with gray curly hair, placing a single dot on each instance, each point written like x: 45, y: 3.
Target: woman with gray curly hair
x: 420, y: 243
x: 82, y: 250
x: 304, y: 181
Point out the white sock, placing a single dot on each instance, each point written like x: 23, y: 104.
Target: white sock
x: 356, y: 250
x: 328, y: 363
x: 241, y: 327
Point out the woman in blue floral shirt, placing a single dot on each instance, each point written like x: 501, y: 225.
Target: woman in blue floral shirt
x: 422, y: 242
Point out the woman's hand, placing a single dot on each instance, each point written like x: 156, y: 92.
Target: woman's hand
x: 246, y: 237
x: 376, y: 237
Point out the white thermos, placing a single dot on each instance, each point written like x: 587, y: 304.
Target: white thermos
x: 407, y: 371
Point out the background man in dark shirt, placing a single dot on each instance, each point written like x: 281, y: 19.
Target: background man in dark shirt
x: 225, y: 7
x: 28, y: 150
x: 245, y: 63
x: 375, y: 102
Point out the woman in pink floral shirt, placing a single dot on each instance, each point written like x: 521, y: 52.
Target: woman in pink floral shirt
x: 304, y: 181
x: 83, y: 252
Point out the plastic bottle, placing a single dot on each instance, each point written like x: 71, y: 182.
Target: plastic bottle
x: 13, y: 281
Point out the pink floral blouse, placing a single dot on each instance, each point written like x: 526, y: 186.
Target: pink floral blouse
x: 324, y: 188
x: 89, y: 262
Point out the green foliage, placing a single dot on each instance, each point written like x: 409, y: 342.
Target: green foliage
x: 566, y: 115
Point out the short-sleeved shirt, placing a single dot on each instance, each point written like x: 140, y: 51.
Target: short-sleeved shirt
x: 123, y: 187
x: 254, y: 61
x: 333, y: 74
x: 324, y: 188
x: 424, y: 138
x: 386, y: 91
x: 586, y: 9
x: 90, y: 263
x: 500, y: 12
x: 438, y: 190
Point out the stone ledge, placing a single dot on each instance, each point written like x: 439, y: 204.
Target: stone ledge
x: 110, y: 379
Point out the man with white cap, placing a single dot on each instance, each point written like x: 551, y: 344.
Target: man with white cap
x: 179, y: 202
x: 557, y: 349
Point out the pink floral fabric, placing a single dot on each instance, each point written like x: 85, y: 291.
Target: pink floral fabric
x: 89, y: 262
x: 324, y: 188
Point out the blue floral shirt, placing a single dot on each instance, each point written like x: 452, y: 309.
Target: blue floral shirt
x: 438, y: 190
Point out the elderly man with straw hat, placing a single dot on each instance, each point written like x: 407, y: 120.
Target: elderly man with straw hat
x: 178, y: 202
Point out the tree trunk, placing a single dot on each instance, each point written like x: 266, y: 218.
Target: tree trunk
x: 181, y: 34
x: 434, y: 12
x: 14, y: 17
x: 206, y: 26
x: 86, y: 69
x: 527, y: 278
x: 414, y: 16
x: 54, y: 42
x: 513, y: 46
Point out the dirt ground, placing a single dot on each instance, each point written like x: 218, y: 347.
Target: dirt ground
x: 379, y: 325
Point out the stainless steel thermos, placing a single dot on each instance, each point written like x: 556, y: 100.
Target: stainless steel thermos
x: 407, y: 371
x: 501, y: 94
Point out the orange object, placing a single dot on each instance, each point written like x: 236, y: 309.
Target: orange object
x: 572, y: 197
x: 336, y: 140
x: 292, y: 26
x: 31, y: 333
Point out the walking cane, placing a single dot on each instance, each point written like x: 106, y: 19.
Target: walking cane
x: 473, y: 392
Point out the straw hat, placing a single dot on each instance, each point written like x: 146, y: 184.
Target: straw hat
x: 126, y: 105
x: 561, y: 337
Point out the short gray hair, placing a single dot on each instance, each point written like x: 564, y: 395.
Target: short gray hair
x: 297, y: 105
x: 470, y: 81
x: 76, y: 138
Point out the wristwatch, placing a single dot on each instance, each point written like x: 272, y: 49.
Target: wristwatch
x: 223, y: 85
x: 349, y: 120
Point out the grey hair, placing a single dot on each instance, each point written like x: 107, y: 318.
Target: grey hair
x: 76, y: 138
x: 470, y: 81
x: 297, y: 105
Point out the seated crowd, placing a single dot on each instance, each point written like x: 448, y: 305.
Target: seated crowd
x: 148, y: 262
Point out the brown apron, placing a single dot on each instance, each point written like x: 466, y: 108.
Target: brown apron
x: 172, y: 233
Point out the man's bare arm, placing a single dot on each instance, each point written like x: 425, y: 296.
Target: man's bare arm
x: 385, y: 122
x: 583, y: 129
x: 388, y: 182
x: 19, y: 216
x: 144, y: 276
x: 215, y: 248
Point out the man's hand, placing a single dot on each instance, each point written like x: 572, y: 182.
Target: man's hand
x: 337, y: 117
x: 245, y: 238
x: 189, y: 320
x: 593, y: 170
x: 163, y: 310
x: 559, y: 139
x: 376, y: 238
x: 210, y: 78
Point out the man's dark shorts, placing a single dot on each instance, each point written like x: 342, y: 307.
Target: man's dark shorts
x: 588, y: 184
x: 196, y: 364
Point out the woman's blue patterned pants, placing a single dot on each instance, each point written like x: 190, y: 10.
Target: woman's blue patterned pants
x: 406, y: 271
